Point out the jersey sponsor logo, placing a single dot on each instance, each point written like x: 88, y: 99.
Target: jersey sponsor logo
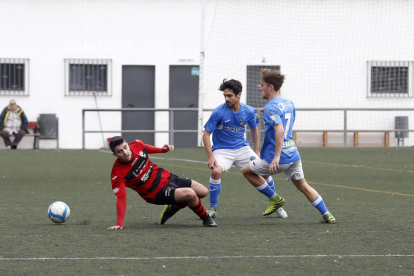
x: 289, y: 149
x: 139, y: 170
x: 273, y: 117
x: 116, y: 190
x: 147, y: 175
x: 136, y: 170
x: 114, y: 177
x: 242, y: 121
x: 220, y: 127
x: 144, y: 167
x: 233, y: 129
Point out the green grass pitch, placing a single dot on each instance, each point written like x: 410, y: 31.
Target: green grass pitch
x: 369, y: 190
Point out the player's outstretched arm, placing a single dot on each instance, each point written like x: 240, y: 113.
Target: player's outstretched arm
x: 151, y: 149
x: 120, y: 213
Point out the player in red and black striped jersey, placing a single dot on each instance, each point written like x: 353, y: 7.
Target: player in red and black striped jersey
x: 133, y: 169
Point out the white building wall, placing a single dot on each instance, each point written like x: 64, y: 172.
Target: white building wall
x: 161, y: 32
x: 158, y: 32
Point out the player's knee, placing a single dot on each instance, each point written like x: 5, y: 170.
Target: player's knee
x: 246, y: 170
x: 189, y: 195
x: 200, y: 190
x: 216, y: 173
x: 203, y: 192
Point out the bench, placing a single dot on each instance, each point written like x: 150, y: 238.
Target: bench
x: 35, y: 133
x: 355, y: 140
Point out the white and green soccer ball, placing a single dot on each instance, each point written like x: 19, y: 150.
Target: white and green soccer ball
x: 58, y: 212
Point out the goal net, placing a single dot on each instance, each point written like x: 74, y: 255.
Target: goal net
x: 336, y: 55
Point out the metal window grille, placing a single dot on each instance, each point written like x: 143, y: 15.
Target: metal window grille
x: 390, y: 79
x: 14, y: 76
x: 84, y: 77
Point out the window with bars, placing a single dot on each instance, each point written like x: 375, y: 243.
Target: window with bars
x: 14, y: 77
x: 390, y: 79
x: 86, y: 77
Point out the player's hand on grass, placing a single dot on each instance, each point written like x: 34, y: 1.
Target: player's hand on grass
x: 274, y: 166
x: 167, y: 148
x: 115, y: 227
x: 212, y: 162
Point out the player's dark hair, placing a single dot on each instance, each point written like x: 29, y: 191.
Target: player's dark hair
x: 274, y: 78
x: 116, y: 141
x: 234, y: 85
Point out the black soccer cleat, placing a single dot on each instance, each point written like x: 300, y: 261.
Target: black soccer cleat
x: 168, y: 212
x: 209, y: 222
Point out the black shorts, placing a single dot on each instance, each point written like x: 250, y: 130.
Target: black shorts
x: 166, y: 194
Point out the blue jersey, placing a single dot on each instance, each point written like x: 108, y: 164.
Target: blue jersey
x: 279, y: 111
x: 228, y: 127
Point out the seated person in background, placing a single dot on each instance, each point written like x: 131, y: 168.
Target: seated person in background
x: 13, y: 121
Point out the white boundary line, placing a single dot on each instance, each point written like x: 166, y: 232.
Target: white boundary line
x: 174, y: 159
x: 205, y: 257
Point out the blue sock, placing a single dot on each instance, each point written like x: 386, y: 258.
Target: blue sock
x: 266, y: 190
x: 215, y: 188
x: 271, y: 183
x: 320, y: 205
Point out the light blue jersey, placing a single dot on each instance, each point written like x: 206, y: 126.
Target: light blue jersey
x: 279, y: 111
x: 228, y: 127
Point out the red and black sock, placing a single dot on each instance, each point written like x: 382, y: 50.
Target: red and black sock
x: 199, y: 210
x: 179, y: 206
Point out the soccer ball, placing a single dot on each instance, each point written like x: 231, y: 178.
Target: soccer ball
x: 58, y: 212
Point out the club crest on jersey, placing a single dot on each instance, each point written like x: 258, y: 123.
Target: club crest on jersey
x: 256, y: 116
x: 242, y: 121
x: 273, y: 117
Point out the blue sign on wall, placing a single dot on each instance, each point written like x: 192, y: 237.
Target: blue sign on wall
x: 195, y: 71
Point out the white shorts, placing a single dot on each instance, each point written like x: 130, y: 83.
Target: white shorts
x: 292, y: 170
x: 239, y: 157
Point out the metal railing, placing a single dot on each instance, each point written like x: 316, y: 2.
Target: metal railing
x: 345, y: 130
x: 171, y: 130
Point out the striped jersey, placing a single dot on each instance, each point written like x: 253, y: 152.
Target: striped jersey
x: 139, y: 174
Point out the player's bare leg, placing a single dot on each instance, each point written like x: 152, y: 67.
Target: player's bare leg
x: 313, y: 196
x: 275, y: 201
x: 303, y: 186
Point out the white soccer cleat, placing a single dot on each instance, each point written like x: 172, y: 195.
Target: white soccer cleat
x: 281, y: 213
x: 212, y: 212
